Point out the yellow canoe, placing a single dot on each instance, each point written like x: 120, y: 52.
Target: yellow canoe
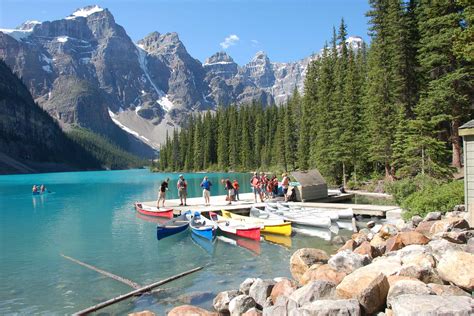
x: 271, y: 226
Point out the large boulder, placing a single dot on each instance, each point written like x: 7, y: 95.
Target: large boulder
x: 421, y: 259
x: 447, y: 290
x: 222, y: 300
x: 240, y: 304
x: 447, y: 224
x: 424, y: 227
x: 392, y: 279
x: 244, y: 287
x: 457, y: 267
x: 425, y: 274
x: 349, y: 245
x: 394, y: 243
x: 414, y: 305
x: 313, y: 291
x: 304, y: 258
x: 442, y: 246
x: 378, y: 243
x: 284, y: 287
x: 407, y: 287
x: 366, y: 249
x: 189, y: 310
x: 413, y: 238
x: 348, y: 261
x: 353, y: 284
x: 372, y: 298
x: 470, y: 246
x: 252, y: 312
x: 416, y: 220
x: 329, y: 307
x: 323, y: 272
x: 432, y: 216
x: 387, y: 231
x: 260, y: 290
x: 278, y: 310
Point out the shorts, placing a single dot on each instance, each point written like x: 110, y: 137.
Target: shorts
x: 182, y: 193
x: 206, y: 193
x: 162, y: 195
x: 285, y: 191
x: 256, y: 190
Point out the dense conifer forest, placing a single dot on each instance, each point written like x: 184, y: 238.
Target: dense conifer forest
x: 390, y: 110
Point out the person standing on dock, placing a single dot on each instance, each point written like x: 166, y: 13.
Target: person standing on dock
x: 162, y: 193
x: 285, y: 183
x: 236, y: 189
x: 255, y: 183
x: 206, y: 190
x: 182, y: 190
x: 230, y: 190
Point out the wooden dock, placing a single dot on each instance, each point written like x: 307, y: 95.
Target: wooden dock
x: 219, y: 203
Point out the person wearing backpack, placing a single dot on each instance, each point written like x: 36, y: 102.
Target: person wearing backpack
x: 182, y: 186
x: 256, y: 183
x: 285, y: 183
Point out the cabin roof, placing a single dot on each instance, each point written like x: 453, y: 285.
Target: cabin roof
x: 467, y: 129
x: 469, y: 124
x: 308, y: 178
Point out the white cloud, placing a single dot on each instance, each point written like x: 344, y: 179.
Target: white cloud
x: 255, y: 42
x: 229, y: 41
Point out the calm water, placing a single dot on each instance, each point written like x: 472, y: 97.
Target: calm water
x: 90, y: 217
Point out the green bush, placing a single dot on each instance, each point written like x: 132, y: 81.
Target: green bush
x: 431, y: 198
x: 402, y: 189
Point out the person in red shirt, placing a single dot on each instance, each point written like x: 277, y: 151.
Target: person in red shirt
x: 236, y: 189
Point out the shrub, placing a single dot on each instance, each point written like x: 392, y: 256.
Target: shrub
x: 431, y: 198
x: 401, y: 189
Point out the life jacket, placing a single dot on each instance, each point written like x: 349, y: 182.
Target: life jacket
x: 181, y: 184
x: 255, y: 181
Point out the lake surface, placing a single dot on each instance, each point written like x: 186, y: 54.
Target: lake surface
x: 90, y: 217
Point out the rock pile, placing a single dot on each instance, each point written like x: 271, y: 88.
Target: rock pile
x: 421, y: 267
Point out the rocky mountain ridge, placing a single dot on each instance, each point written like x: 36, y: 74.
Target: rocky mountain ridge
x: 85, y: 70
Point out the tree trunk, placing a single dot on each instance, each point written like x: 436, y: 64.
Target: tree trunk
x: 456, y: 159
x: 388, y: 172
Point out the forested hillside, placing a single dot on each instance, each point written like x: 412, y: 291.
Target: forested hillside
x: 391, y: 109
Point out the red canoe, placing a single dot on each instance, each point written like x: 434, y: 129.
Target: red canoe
x: 153, y: 211
x: 236, y: 228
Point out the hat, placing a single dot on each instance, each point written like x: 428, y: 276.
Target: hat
x: 180, y: 176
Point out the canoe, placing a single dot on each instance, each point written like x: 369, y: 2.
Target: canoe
x: 40, y: 193
x: 236, y: 228
x: 174, y: 226
x: 303, y: 218
x: 272, y: 226
x: 203, y: 227
x: 265, y: 214
x: 153, y: 211
x: 313, y: 232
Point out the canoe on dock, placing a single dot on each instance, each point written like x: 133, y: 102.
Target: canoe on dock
x: 174, y: 226
x: 272, y: 226
x: 236, y: 228
x: 300, y: 217
x: 153, y: 211
x: 203, y: 227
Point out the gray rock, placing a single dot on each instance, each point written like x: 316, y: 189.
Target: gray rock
x: 222, y: 300
x: 244, y: 287
x: 416, y: 220
x: 329, y: 307
x: 240, y: 304
x: 432, y: 216
x: 407, y: 287
x: 470, y: 246
x: 459, y: 208
x: 414, y: 305
x: 275, y: 311
x: 441, y: 246
x: 313, y: 291
x: 339, y: 240
x: 261, y: 290
x: 376, y: 228
x: 348, y: 261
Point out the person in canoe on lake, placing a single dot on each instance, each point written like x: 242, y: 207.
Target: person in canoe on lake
x: 182, y: 190
x: 162, y: 193
x: 285, y: 183
x: 230, y: 190
x: 236, y: 186
x: 42, y: 188
x: 206, y: 190
x: 35, y: 188
x: 255, y: 183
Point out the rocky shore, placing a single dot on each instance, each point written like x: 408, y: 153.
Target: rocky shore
x: 420, y: 267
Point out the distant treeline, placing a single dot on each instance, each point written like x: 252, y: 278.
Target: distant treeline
x: 109, y: 156
x: 391, y: 109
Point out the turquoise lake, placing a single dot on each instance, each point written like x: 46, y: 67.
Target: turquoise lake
x: 90, y: 217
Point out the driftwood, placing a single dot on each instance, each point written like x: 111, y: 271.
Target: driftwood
x: 137, y: 291
x: 106, y: 273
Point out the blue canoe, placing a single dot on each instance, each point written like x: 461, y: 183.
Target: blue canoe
x: 203, y: 227
x: 174, y: 226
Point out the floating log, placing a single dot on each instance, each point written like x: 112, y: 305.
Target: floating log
x: 106, y: 273
x: 137, y: 291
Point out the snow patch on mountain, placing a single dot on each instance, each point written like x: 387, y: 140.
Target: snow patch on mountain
x: 17, y: 34
x: 62, y: 39
x: 125, y: 128
x: 47, y: 68
x: 84, y: 12
x: 165, y: 103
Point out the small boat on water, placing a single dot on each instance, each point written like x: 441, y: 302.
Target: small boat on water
x: 40, y: 193
x: 203, y: 227
x: 153, y: 211
x: 236, y: 228
x: 174, y: 226
x: 313, y: 232
x: 272, y: 226
x: 301, y: 218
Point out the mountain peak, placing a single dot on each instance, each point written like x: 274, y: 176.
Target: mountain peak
x: 28, y: 25
x: 219, y: 57
x: 85, y: 11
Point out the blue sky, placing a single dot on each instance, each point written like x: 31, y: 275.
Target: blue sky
x: 286, y: 30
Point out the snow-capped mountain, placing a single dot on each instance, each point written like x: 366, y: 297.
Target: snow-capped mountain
x: 85, y: 70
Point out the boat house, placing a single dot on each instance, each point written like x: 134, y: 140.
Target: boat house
x: 467, y: 132
x: 312, y: 185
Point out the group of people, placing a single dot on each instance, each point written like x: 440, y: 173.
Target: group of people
x: 267, y: 188
x: 262, y: 186
x: 39, y: 188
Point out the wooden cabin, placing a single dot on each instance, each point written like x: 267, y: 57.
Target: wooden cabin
x: 467, y: 133
x: 312, y: 185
